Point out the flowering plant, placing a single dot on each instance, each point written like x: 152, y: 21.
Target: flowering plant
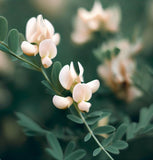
x: 111, y: 129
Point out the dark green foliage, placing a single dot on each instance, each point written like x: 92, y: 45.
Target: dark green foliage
x: 13, y: 40
x: 29, y: 126
x: 87, y: 137
x: 143, y: 127
x: 57, y: 66
x: 55, y: 150
x: 96, y: 151
x: 3, y: 28
x: 104, y: 129
x: 75, y: 119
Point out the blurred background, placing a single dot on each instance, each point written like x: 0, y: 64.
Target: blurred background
x: 21, y: 89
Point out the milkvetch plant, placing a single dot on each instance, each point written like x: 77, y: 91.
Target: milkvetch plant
x: 70, y: 91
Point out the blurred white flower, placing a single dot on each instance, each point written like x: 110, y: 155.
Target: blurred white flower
x: 41, y: 38
x: 98, y: 19
x: 118, y: 71
x: 6, y: 66
x: 68, y: 76
x: 62, y: 102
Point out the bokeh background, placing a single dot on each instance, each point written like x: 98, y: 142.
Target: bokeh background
x: 21, y: 89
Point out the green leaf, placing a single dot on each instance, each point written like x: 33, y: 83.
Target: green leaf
x: 47, y: 85
x: 87, y: 137
x: 30, y: 127
x: 107, y: 141
x: 4, y: 49
x: 121, y: 130
x: 77, y: 155
x: 3, y: 28
x: 13, y: 40
x: 69, y: 148
x: 92, y: 120
x: 119, y: 144
x: 55, y: 75
x: 104, y: 129
x: 131, y: 131
x: 96, y: 151
x: 112, y: 149
x: 52, y: 153
x: 95, y: 114
x: 55, y: 145
x: 74, y: 118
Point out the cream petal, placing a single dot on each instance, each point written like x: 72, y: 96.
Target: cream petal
x: 62, y: 102
x: 46, y: 62
x: 94, y: 85
x: 56, y: 38
x: 47, y: 48
x: 29, y: 49
x: 30, y: 29
x: 50, y: 28
x: 84, y: 106
x: 81, y: 92
x: 81, y: 69
x: 65, y: 77
x: 73, y: 72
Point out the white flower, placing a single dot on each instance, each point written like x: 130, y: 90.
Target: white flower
x: 83, y: 92
x: 62, y: 102
x: 68, y: 76
x: 47, y: 51
x: 38, y: 30
x: 117, y: 72
x: 98, y: 19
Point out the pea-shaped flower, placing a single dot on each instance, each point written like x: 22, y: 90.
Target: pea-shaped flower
x: 47, y: 51
x: 83, y: 92
x: 68, y: 76
x: 62, y: 102
x: 38, y: 30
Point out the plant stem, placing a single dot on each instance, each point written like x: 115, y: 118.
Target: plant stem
x: 91, y: 132
x: 48, y: 80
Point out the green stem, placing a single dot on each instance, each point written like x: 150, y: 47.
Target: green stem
x: 91, y: 132
x: 48, y: 80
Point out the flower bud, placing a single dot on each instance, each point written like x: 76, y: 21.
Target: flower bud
x: 62, y: 102
x: 84, y: 106
x: 29, y: 49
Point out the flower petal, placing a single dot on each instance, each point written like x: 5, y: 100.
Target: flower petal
x: 30, y: 29
x: 56, y: 38
x: 73, y: 72
x: 62, y: 102
x: 65, y: 77
x: 94, y: 85
x: 81, y: 72
x: 46, y: 62
x: 47, y: 48
x: 29, y: 49
x: 50, y: 28
x: 81, y: 92
x: 84, y: 106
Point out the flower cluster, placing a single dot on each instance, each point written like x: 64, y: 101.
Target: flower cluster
x: 98, y: 19
x: 42, y: 39
x: 81, y: 92
x: 117, y: 72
